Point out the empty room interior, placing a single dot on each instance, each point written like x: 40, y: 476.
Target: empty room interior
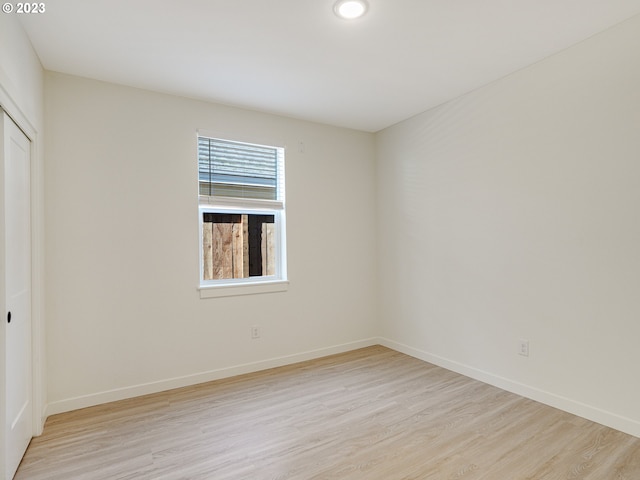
x: 309, y: 239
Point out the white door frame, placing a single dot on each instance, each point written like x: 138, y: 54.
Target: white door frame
x: 37, y: 267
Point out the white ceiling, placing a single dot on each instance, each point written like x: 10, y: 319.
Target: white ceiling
x: 295, y: 58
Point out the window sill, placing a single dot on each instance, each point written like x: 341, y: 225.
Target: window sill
x: 231, y: 290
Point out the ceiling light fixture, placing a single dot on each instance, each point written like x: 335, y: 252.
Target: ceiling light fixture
x: 350, y: 9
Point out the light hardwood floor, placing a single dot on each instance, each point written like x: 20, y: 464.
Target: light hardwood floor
x: 371, y: 414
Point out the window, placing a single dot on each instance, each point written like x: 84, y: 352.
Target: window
x: 241, y: 216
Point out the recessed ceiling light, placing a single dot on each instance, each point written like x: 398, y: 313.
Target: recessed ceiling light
x: 350, y: 9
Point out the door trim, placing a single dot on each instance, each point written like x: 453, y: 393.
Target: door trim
x: 37, y: 259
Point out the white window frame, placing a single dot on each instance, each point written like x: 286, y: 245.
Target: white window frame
x: 233, y: 205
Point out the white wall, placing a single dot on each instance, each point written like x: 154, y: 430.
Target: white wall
x: 21, y: 96
x: 514, y: 213
x: 21, y: 75
x: 124, y: 315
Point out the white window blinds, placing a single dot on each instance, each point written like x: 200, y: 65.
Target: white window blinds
x: 241, y: 170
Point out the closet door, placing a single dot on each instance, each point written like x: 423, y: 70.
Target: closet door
x: 17, y: 404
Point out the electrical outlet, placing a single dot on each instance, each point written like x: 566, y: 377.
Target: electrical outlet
x: 255, y: 332
x: 523, y: 348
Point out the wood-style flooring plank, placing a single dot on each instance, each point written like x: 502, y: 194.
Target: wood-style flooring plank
x: 371, y: 414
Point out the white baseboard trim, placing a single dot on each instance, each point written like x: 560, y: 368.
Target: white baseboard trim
x: 85, y: 401
x: 618, y: 422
